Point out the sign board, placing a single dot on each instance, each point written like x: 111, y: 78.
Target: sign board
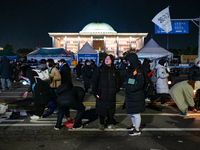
x: 191, y: 58
x: 84, y: 57
x: 178, y: 27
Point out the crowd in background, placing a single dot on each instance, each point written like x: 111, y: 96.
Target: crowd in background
x: 105, y: 81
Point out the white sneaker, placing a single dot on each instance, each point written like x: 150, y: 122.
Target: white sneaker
x: 147, y: 100
x: 34, y: 117
x: 56, y: 129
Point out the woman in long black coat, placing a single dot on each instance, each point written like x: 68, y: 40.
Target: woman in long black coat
x: 105, y: 85
x: 134, y: 94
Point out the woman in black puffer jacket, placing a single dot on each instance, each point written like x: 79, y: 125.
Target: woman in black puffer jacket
x: 134, y: 98
x: 105, y: 85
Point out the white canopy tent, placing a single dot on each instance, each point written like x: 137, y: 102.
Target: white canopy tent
x: 153, y: 51
x: 87, y: 52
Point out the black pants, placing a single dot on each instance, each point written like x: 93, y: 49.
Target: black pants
x: 110, y: 119
x: 64, y: 108
x: 39, y: 109
x: 162, y: 98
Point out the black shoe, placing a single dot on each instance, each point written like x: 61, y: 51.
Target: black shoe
x: 131, y: 128
x: 135, y: 133
x: 77, y: 127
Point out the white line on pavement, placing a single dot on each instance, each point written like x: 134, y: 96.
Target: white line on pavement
x: 160, y: 114
x: 96, y: 129
x: 14, y: 96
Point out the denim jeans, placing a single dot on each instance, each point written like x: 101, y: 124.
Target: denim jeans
x: 64, y: 107
x: 3, y: 82
x: 53, y: 104
x: 136, y: 119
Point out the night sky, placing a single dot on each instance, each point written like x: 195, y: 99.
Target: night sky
x: 26, y: 23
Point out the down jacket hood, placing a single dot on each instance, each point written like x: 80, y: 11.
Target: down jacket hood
x: 4, y: 59
x: 133, y: 60
x: 196, y: 61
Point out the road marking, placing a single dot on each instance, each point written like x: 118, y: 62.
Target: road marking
x: 11, y: 121
x: 107, y: 130
x: 144, y: 129
x: 15, y: 96
x: 51, y: 120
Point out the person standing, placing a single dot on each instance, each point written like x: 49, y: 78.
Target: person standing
x: 162, y: 87
x: 87, y: 75
x: 194, y: 71
x: 93, y: 65
x: 55, y: 82
x: 78, y: 69
x: 16, y: 69
x: 134, y: 93
x: 121, y: 68
x: 105, y: 85
x: 66, y: 79
x: 5, y: 70
x: 194, y: 74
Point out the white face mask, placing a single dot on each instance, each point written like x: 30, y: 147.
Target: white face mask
x: 198, y: 65
x: 60, y: 64
x: 129, y: 64
x: 119, y: 60
x: 165, y: 64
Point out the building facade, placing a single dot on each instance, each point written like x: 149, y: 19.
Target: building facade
x: 101, y: 37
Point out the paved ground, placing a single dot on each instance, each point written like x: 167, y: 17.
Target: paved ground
x: 161, y: 127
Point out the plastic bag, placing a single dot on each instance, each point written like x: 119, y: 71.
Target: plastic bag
x: 3, y: 108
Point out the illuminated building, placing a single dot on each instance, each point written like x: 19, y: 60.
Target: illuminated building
x: 101, y: 37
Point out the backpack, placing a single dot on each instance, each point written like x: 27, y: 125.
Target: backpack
x: 43, y: 75
x: 148, y: 88
x: 154, y: 76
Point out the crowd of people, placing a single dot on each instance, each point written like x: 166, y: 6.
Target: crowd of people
x: 58, y: 92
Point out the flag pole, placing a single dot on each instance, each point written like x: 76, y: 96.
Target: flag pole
x: 167, y: 46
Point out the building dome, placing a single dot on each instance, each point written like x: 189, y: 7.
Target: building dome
x: 98, y: 28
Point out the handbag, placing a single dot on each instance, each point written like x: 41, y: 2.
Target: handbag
x: 3, y: 108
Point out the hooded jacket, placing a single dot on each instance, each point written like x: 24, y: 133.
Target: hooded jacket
x: 134, y: 94
x: 194, y: 71
x: 183, y: 95
x: 162, y: 78
x: 5, y: 68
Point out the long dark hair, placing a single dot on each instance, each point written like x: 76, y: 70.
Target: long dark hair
x: 51, y: 62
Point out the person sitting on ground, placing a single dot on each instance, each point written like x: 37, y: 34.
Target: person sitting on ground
x: 183, y: 94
